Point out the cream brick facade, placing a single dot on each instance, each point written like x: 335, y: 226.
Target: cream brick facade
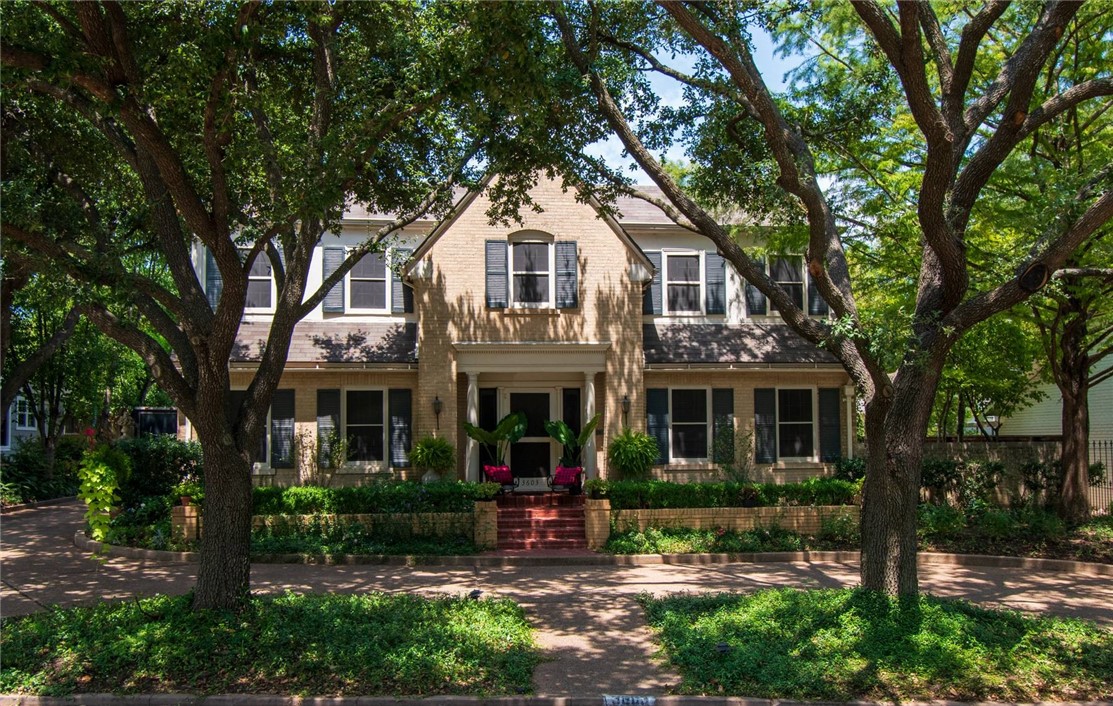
x: 597, y: 347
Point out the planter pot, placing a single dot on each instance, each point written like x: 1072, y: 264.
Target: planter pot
x: 186, y: 500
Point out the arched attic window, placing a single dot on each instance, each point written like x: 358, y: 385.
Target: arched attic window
x: 532, y: 269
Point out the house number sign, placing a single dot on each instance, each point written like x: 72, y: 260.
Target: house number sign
x: 625, y: 700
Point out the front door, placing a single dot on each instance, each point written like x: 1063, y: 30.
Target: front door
x: 531, y: 458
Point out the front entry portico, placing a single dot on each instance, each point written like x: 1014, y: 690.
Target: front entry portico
x: 538, y: 379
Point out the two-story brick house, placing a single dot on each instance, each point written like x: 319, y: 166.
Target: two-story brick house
x: 569, y: 314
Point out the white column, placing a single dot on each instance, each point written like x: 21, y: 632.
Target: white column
x: 589, y: 412
x: 473, y: 418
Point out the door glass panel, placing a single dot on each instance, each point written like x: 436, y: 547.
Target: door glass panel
x: 535, y: 405
x: 530, y: 459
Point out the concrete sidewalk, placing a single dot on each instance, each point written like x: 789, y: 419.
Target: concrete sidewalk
x: 586, y: 617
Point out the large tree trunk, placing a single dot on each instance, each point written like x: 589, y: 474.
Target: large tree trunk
x: 224, y: 573
x: 1073, y: 503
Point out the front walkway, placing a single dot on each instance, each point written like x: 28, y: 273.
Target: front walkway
x: 586, y: 617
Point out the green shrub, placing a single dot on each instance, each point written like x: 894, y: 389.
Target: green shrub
x: 840, y: 529
x: 158, y: 463
x: 940, y: 475
x: 433, y: 454
x: 655, y: 494
x: 392, y: 497
x: 940, y: 521
x: 632, y: 454
x: 997, y: 523
x: 851, y: 469
x: 23, y: 473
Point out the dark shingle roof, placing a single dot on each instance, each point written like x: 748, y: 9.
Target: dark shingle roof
x: 728, y: 343
x: 329, y: 342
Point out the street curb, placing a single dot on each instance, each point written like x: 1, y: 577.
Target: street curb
x: 38, y: 503
x: 274, y: 700
x: 1082, y: 568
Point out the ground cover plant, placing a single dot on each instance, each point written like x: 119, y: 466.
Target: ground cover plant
x: 836, y: 533
x: 373, y: 644
x: 852, y: 643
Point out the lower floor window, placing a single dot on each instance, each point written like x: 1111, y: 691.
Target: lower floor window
x: 795, y: 431
x: 797, y: 423
x: 365, y: 425
x: 689, y: 424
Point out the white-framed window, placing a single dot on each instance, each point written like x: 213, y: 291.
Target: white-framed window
x: 683, y: 279
x: 690, y: 432
x: 23, y: 416
x: 789, y: 273
x: 261, y: 292
x: 364, y: 414
x: 796, y: 427
x: 368, y: 284
x: 531, y: 273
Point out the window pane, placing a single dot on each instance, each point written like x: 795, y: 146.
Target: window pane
x: 370, y: 266
x: 795, y: 405
x: 796, y: 291
x: 261, y: 267
x: 258, y: 294
x: 368, y: 295
x: 684, y: 297
x: 531, y: 257
x: 787, y: 269
x: 689, y: 406
x: 689, y: 441
x: 796, y: 440
x: 683, y: 268
x: 365, y: 443
x: 365, y: 407
x: 531, y: 289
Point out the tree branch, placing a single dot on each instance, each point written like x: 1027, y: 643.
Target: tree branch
x: 22, y: 372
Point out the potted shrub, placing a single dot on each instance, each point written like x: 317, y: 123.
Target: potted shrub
x: 435, y: 456
x: 497, y: 441
x: 570, y: 467
x: 632, y: 454
x: 187, y: 491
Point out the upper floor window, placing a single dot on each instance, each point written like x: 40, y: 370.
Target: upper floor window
x: 531, y: 271
x: 371, y: 286
x: 531, y: 274
x: 789, y: 272
x: 367, y: 283
x: 260, y: 282
x: 24, y: 415
x: 685, y: 283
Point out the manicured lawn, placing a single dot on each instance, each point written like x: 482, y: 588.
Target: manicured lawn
x: 373, y: 644
x: 850, y: 644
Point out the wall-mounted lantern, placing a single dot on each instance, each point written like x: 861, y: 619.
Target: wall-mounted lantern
x: 437, y: 407
x: 626, y: 410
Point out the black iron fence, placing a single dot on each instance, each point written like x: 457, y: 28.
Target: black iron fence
x: 1101, y: 495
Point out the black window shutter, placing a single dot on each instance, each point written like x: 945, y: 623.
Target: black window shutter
x: 497, y: 283
x: 282, y: 429
x: 331, y: 259
x: 401, y: 294
x: 830, y: 447
x: 567, y: 266
x: 765, y: 425
x: 328, y: 421
x: 651, y: 300
x: 657, y: 420
x: 722, y: 430
x: 715, y: 282
x: 400, y: 403
x: 816, y: 305
x: 214, y: 282
x: 756, y: 304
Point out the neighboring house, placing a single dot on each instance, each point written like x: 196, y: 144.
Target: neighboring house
x: 1045, y: 418
x: 569, y: 314
x: 17, y: 424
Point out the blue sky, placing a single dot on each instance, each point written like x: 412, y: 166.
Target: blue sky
x: 772, y: 67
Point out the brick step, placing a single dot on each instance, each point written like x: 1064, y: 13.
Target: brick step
x: 543, y: 544
x: 573, y: 525
x: 539, y: 515
x: 540, y: 534
x: 541, y: 499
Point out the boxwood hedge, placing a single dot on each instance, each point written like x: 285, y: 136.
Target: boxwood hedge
x: 394, y: 497
x: 655, y: 494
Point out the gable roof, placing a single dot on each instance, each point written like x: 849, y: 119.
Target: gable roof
x: 469, y: 198
x: 332, y: 342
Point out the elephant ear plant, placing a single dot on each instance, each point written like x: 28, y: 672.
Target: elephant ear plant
x: 509, y: 429
x: 572, y: 454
